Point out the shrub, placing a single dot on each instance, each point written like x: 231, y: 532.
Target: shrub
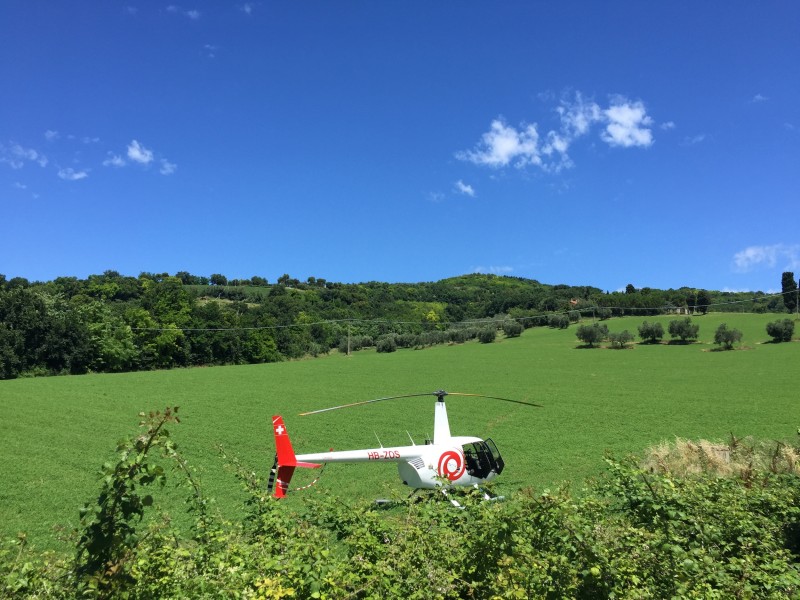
x: 558, y: 321
x: 781, y: 331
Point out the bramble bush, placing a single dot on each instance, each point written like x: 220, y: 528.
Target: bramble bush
x: 642, y: 530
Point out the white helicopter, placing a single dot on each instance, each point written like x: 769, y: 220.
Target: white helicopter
x: 446, y: 460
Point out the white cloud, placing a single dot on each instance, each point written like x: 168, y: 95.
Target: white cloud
x: 70, y: 174
x: 29, y: 154
x: 759, y: 98
x: 465, y: 189
x: 247, y: 8
x: 668, y: 125
x: 51, y: 136
x: 114, y: 160
x: 139, y: 154
x: 16, y: 155
x: 695, y: 139
x: 503, y: 145
x: 578, y: 116
x: 752, y: 257
x: 167, y: 168
x: 20, y: 186
x: 175, y: 9
x: 628, y: 125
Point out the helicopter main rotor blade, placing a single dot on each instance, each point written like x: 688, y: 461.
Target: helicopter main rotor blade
x: 495, y: 398
x: 439, y: 394
x: 322, y: 410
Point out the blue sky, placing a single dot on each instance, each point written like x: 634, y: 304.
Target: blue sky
x: 587, y: 143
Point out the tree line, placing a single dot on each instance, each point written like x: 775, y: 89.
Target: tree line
x: 112, y: 322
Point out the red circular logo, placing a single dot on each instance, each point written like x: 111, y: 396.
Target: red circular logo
x: 451, y: 464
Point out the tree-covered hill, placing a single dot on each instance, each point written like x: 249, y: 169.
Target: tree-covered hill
x: 112, y: 322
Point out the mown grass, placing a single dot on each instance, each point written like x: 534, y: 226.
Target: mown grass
x: 56, y: 432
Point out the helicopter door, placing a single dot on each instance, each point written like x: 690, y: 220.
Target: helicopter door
x: 496, y: 458
x: 482, y: 458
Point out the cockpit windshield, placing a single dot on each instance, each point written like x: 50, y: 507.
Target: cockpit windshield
x: 483, y: 458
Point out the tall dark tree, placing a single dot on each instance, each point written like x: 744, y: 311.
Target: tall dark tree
x: 789, y: 291
x: 703, y: 301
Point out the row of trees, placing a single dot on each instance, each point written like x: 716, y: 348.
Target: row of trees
x: 680, y: 330
x: 111, y: 322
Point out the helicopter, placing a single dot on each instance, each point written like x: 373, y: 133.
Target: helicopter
x: 446, y: 460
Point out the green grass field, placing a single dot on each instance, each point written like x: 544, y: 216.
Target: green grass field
x: 57, y: 431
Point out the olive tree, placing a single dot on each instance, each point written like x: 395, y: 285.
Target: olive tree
x: 487, y: 335
x: 620, y: 339
x: 512, y: 328
x: 651, y: 333
x: 727, y: 337
x: 683, y: 329
x: 592, y: 334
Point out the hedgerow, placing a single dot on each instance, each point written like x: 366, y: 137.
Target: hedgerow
x: 641, y: 530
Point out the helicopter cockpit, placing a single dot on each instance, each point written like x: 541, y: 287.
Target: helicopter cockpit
x: 483, y: 458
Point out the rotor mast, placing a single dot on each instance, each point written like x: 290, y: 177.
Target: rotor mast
x: 441, y: 426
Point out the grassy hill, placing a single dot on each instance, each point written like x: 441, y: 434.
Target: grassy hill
x: 57, y: 431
